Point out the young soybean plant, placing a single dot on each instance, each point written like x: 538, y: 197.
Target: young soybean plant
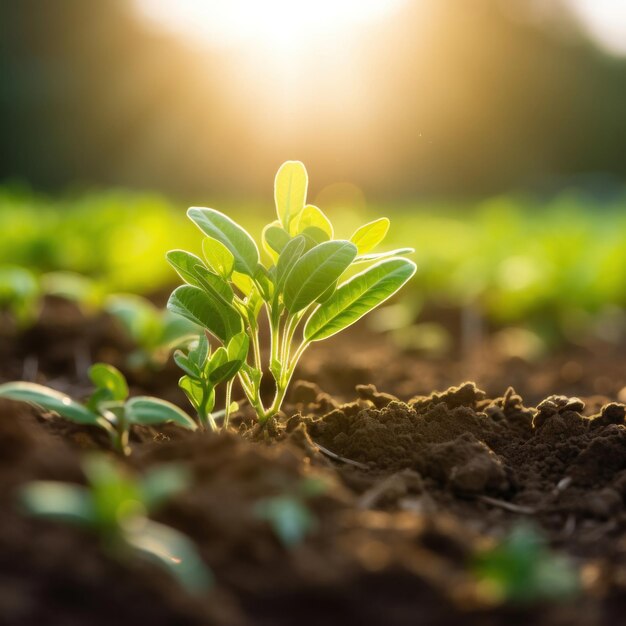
x: 116, y: 506
x: 108, y: 407
x: 204, y: 371
x: 303, y: 290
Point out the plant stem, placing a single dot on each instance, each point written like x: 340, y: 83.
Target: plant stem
x: 119, y: 440
x: 206, y: 419
x: 229, y: 389
x: 254, y: 334
x: 252, y: 394
x: 283, y: 384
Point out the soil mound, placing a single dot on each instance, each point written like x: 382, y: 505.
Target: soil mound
x: 551, y: 458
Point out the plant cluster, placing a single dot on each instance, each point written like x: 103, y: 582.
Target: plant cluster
x: 108, y: 407
x: 116, y: 505
x: 204, y: 371
x: 309, y: 284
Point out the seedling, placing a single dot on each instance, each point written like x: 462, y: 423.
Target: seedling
x: 204, y: 371
x: 20, y: 294
x: 155, y: 332
x: 116, y: 505
x: 304, y: 286
x: 289, y: 515
x: 108, y: 407
x: 523, y: 570
x: 84, y: 291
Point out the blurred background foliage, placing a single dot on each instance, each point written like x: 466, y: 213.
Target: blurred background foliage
x: 449, y: 97
x: 490, y: 131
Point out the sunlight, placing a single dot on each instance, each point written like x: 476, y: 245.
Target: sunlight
x: 605, y: 21
x: 279, y: 25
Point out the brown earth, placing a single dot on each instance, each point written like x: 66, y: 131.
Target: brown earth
x: 414, y: 489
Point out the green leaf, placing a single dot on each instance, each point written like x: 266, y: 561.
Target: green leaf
x: 234, y: 237
x: 275, y: 238
x: 290, y: 518
x: 290, y: 187
x: 328, y: 293
x: 377, y: 256
x: 252, y: 373
x: 218, y: 256
x: 160, y: 483
x: 59, y: 501
x: 115, y: 492
x: 185, y: 263
x: 218, y: 358
x: 315, y: 272
x: 214, y: 285
x: 171, y: 550
x: 313, y: 216
x: 176, y: 331
x: 199, y: 353
x: 238, y: 347
x: 288, y: 258
x: 244, y: 283
x: 194, y: 304
x: 141, y: 319
x: 313, y: 236
x: 264, y: 282
x: 185, y: 364
x: 357, y: 297
x: 49, y: 399
x: 148, y: 410
x: 108, y: 377
x: 370, y: 235
x: 225, y: 372
x: 195, y: 391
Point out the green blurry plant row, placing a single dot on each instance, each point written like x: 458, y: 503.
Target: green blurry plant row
x: 551, y: 263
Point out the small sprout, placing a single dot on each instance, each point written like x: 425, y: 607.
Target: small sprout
x: 116, y: 506
x: 523, y: 570
x: 205, y: 371
x: 309, y: 289
x: 108, y: 407
x: 20, y: 294
x: 288, y: 514
x: 155, y: 332
x: 82, y: 290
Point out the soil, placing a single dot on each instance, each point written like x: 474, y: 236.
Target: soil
x: 417, y: 483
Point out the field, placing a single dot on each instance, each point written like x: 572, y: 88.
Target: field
x: 388, y: 489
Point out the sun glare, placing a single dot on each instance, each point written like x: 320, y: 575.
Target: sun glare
x: 605, y: 21
x: 283, y: 25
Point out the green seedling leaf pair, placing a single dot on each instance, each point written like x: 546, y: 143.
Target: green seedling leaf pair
x: 205, y: 371
x: 116, y: 506
x: 309, y: 290
x: 522, y: 570
x: 289, y: 515
x: 22, y: 291
x: 20, y: 294
x: 108, y: 407
x: 154, y: 332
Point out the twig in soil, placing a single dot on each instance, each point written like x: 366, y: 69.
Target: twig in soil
x: 336, y: 457
x: 30, y: 368
x: 562, y: 485
x: 508, y: 506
